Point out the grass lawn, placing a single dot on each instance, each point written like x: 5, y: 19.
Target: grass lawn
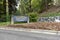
x: 8, y: 23
x: 4, y: 23
x: 49, y: 14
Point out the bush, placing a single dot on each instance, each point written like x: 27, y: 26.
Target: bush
x: 33, y: 16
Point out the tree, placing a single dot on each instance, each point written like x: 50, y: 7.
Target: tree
x: 11, y: 7
x: 33, y: 5
x: 1, y: 6
x: 36, y: 5
x: 1, y: 10
x: 25, y: 6
x: 40, y: 5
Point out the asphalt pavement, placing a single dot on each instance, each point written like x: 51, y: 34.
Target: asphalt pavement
x: 21, y: 35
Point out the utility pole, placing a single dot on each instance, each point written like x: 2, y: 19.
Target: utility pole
x: 7, y: 11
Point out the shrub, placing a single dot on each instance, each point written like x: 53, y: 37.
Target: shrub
x: 33, y: 16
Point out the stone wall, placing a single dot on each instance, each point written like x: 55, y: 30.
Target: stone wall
x: 49, y: 19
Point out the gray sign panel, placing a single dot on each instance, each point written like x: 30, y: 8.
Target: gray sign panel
x: 20, y: 18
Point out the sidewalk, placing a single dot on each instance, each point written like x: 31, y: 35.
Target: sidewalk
x: 52, y: 32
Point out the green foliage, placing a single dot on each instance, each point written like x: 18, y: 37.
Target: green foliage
x: 4, y: 23
x: 33, y: 16
x: 1, y: 6
x: 36, y: 5
x: 25, y: 6
x: 1, y: 11
x: 33, y: 5
x: 11, y: 7
x: 50, y: 14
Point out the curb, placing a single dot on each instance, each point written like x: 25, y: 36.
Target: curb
x: 33, y: 30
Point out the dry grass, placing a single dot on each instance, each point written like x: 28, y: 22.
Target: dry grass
x: 41, y: 25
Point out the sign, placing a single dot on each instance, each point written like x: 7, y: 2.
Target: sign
x: 20, y: 19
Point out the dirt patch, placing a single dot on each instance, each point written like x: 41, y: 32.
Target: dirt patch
x: 39, y: 25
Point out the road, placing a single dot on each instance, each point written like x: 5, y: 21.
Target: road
x: 20, y: 35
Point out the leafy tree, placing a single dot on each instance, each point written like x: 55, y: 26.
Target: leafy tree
x: 1, y: 6
x: 40, y: 5
x: 11, y: 5
x: 25, y: 6
x: 36, y: 5
x: 1, y: 10
x: 33, y: 5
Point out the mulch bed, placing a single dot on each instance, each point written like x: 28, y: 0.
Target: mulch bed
x: 39, y: 25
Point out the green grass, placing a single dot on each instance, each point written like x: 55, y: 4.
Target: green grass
x: 8, y: 23
x: 49, y: 14
x: 4, y: 23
